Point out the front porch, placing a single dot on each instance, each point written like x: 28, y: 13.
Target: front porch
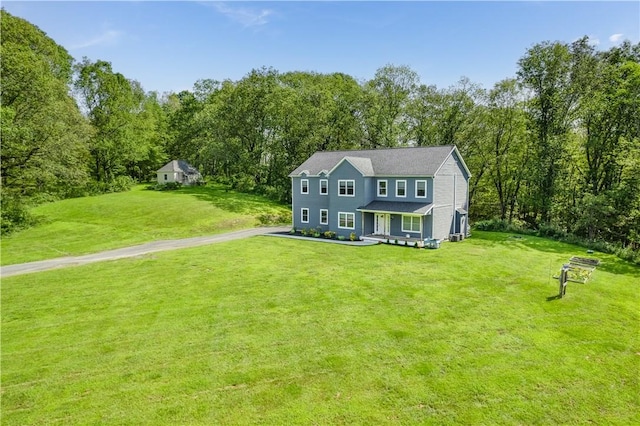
x: 402, y: 240
x: 401, y: 223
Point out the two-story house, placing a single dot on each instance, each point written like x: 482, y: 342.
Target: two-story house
x: 420, y: 192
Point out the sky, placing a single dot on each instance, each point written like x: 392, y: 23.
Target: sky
x: 168, y: 46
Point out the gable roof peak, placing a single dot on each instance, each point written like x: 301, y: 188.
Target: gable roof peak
x: 178, y: 166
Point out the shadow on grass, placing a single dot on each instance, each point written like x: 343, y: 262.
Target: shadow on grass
x: 554, y: 297
x: 612, y: 264
x: 229, y: 200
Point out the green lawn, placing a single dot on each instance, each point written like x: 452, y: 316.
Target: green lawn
x: 277, y: 331
x: 91, y: 224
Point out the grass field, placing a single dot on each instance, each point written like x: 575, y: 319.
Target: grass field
x: 91, y: 224
x: 277, y: 331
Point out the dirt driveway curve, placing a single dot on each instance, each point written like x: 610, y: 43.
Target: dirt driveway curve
x: 62, y: 262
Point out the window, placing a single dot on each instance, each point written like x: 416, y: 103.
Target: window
x: 347, y: 188
x: 382, y: 188
x: 411, y: 223
x: 421, y: 189
x: 346, y: 220
x: 165, y: 176
x: 401, y: 188
x: 304, y: 215
x: 324, y: 217
x: 324, y: 187
x: 304, y: 186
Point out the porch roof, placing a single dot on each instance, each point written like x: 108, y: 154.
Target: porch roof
x: 398, y: 207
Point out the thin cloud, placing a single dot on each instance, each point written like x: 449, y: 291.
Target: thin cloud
x: 109, y: 37
x: 614, y: 38
x: 247, y: 17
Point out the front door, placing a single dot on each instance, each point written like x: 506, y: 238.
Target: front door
x: 381, y: 224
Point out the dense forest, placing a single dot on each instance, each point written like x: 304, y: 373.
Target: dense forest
x: 556, y: 146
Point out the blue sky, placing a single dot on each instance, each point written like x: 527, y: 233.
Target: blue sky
x: 168, y: 46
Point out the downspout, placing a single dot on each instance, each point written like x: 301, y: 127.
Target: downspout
x: 293, y: 211
x: 466, y: 233
x: 455, y: 222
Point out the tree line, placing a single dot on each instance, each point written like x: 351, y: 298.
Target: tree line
x: 557, y: 145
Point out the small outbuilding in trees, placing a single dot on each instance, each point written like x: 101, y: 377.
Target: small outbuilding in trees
x: 179, y: 171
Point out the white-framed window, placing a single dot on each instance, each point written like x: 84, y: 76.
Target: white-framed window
x: 411, y: 223
x: 304, y: 186
x: 346, y: 220
x: 304, y: 215
x: 324, y: 217
x: 421, y: 189
x: 382, y: 188
x: 401, y: 188
x: 324, y: 186
x: 347, y: 188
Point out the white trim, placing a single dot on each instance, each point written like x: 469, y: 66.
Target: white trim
x: 464, y: 165
x: 405, y: 188
x: 386, y: 187
x: 346, y: 158
x: 386, y: 223
x: 302, y: 181
x: 428, y: 213
x: 327, y: 187
x: 353, y: 215
x: 346, y: 187
x: 411, y: 230
x: 326, y: 222
x: 425, y: 188
x: 302, y: 215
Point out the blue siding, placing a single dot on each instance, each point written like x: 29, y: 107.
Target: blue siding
x: 313, y: 201
x: 345, y: 171
x: 448, y: 190
x: 410, y: 189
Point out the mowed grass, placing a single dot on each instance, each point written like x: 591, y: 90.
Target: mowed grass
x: 91, y: 224
x: 278, y: 331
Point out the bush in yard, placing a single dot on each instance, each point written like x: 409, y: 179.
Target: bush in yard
x: 274, y: 218
x: 169, y: 186
x: 15, y: 215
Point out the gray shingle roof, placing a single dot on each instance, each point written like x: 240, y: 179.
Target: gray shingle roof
x: 418, y: 161
x: 397, y: 207
x: 179, y: 166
